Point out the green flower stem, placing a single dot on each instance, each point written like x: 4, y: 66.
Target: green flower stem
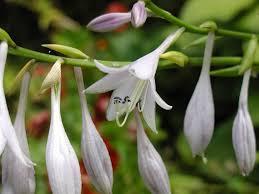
x: 192, y: 28
x: 193, y: 61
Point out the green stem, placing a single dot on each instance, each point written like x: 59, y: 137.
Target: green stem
x: 192, y: 28
x: 193, y: 61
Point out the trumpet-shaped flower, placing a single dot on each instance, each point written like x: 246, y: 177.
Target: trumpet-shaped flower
x: 243, y: 136
x: 17, y: 177
x: 62, y: 164
x: 151, y: 165
x: 199, y: 116
x: 134, y: 85
x: 108, y: 22
x: 94, y: 152
x: 7, y: 129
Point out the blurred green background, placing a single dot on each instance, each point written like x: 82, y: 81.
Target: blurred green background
x: 34, y: 22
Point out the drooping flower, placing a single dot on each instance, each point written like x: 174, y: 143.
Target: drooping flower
x: 94, y: 152
x: 17, y: 177
x: 199, y: 116
x: 134, y: 85
x: 62, y: 164
x: 150, y: 163
x: 7, y: 129
x: 108, y: 22
x: 243, y: 136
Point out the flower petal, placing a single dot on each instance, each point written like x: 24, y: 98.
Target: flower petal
x: 119, y: 99
x: 108, y: 83
x: 110, y: 70
x: 149, y: 112
x: 157, y: 98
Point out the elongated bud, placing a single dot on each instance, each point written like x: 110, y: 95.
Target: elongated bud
x: 66, y: 50
x: 175, y: 57
x: 199, y: 116
x: 52, y: 77
x: 138, y: 14
x: 5, y: 120
x: 17, y: 177
x: 243, y: 136
x: 95, y: 154
x: 109, y: 22
x: 151, y: 165
x: 61, y: 161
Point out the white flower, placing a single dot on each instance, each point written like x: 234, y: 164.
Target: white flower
x: 16, y: 177
x: 134, y: 85
x: 62, y: 164
x: 243, y: 136
x: 94, y: 152
x: 150, y: 163
x: 199, y: 116
x: 7, y: 129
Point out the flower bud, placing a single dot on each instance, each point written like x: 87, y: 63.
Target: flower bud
x: 199, y: 116
x: 17, y: 177
x: 61, y: 161
x: 138, y: 14
x: 109, y: 22
x: 150, y: 163
x: 95, y: 154
x: 243, y: 136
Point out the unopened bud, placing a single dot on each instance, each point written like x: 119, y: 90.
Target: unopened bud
x: 175, y: 57
x: 199, y: 116
x: 109, y: 22
x: 94, y: 152
x: 243, y: 136
x: 151, y: 165
x: 138, y: 14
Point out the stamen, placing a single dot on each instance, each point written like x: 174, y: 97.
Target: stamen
x: 142, y: 102
x: 136, y: 94
x: 124, y: 120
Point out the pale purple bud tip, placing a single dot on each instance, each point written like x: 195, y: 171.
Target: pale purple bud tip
x: 138, y: 14
x: 109, y: 22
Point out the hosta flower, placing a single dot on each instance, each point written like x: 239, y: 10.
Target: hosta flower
x: 199, y: 116
x: 6, y: 126
x: 17, y: 177
x: 243, y: 136
x: 62, y: 164
x: 95, y: 154
x: 134, y: 85
x: 108, y: 22
x: 151, y: 165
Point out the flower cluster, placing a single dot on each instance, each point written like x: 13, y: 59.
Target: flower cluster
x: 134, y: 89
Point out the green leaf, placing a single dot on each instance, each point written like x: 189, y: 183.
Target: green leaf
x: 199, y: 11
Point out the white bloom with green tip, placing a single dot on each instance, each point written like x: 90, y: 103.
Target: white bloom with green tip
x: 134, y: 85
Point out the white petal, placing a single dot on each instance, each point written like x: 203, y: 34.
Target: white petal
x: 145, y: 67
x: 149, y: 112
x: 110, y: 70
x: 157, y: 98
x: 169, y: 41
x: 108, y: 83
x: 122, y: 93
